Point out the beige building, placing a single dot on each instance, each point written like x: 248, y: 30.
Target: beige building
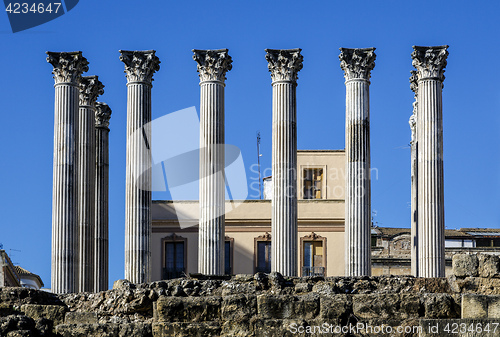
x: 320, y: 188
x: 391, y: 247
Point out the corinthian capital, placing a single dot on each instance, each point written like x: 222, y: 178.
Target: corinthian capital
x: 430, y: 61
x: 212, y: 64
x: 140, y: 65
x: 68, y: 66
x: 414, y: 81
x: 357, y: 63
x: 102, y: 115
x: 284, y: 64
x: 90, y: 89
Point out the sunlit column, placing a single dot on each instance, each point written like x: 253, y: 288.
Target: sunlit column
x: 357, y: 65
x: 68, y: 68
x: 139, y: 69
x: 284, y: 65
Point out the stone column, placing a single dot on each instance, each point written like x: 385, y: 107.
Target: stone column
x: 430, y: 63
x: 284, y: 65
x: 101, y: 256
x: 139, y: 69
x: 212, y: 67
x: 68, y: 68
x: 357, y: 65
x: 90, y: 89
x: 414, y: 175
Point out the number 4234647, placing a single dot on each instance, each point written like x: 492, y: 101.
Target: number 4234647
x: 24, y: 8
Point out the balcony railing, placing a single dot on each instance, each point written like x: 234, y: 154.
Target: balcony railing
x: 170, y: 273
x: 313, y: 271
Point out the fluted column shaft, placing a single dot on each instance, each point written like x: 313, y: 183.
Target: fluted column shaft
x: 139, y: 67
x: 67, y: 71
x: 358, y: 194
x: 284, y: 167
x: 138, y: 185
x: 430, y: 63
x: 357, y: 65
x: 90, y: 88
x: 101, y: 257
x: 284, y: 66
x: 212, y: 186
x: 212, y: 66
x: 414, y: 179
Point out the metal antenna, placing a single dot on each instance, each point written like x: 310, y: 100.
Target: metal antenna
x: 258, y: 164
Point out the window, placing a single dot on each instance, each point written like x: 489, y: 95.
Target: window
x: 174, y: 257
x: 313, y: 255
x: 313, y: 182
x: 263, y: 253
x: 228, y: 256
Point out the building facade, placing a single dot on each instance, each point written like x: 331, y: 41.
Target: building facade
x: 247, y: 250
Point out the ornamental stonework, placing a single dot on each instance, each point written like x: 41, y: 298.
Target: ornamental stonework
x: 357, y: 63
x: 430, y: 61
x: 212, y: 64
x: 68, y: 66
x: 102, y: 115
x: 90, y: 89
x: 284, y: 64
x: 140, y: 66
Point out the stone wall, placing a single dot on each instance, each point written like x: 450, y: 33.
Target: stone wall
x: 268, y: 305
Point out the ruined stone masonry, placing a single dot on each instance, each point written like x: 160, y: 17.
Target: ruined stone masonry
x: 263, y: 305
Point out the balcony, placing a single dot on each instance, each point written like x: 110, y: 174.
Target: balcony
x: 313, y: 271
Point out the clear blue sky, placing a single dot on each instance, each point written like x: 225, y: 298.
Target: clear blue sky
x: 100, y: 28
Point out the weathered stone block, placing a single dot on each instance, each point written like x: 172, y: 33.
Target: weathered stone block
x: 335, y: 306
x: 237, y: 329
x: 489, y: 265
x: 55, y: 313
x: 303, y: 287
x: 239, y: 307
x: 279, y: 327
x: 440, y: 306
x: 474, y: 306
x: 289, y: 307
x: 233, y: 288
x: 494, y: 307
x: 77, y: 317
x: 465, y: 265
x: 188, y: 309
x: 179, y: 329
x: 400, y: 306
x: 432, y: 285
x: 104, y: 330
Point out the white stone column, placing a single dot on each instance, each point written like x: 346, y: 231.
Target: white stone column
x: 68, y: 68
x: 284, y: 65
x: 212, y: 67
x: 139, y: 69
x: 414, y: 176
x: 357, y: 65
x: 430, y: 63
x: 101, y: 256
x: 90, y: 89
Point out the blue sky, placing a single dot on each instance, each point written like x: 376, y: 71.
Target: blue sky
x: 100, y: 28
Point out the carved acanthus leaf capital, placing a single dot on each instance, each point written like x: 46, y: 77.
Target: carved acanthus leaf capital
x: 140, y: 66
x: 90, y: 89
x: 102, y: 115
x: 68, y: 66
x: 430, y: 61
x: 414, y: 81
x: 212, y: 64
x: 284, y: 64
x: 357, y: 63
